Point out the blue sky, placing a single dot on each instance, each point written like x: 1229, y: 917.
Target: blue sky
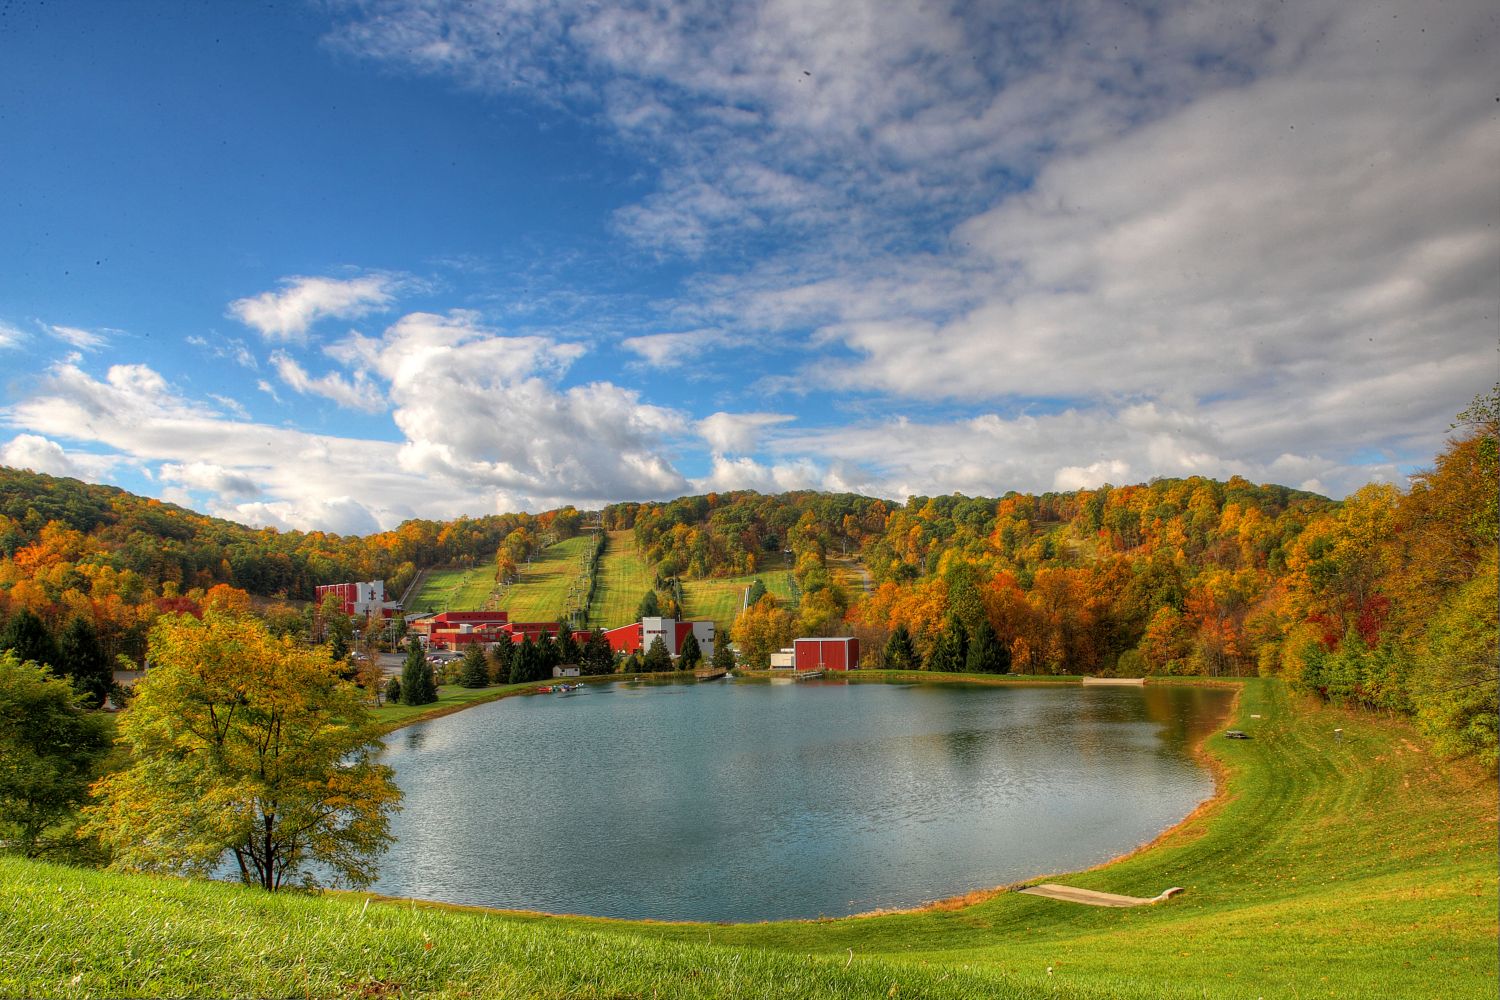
x: 333, y: 265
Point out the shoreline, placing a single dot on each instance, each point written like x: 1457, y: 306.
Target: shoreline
x: 1201, y: 812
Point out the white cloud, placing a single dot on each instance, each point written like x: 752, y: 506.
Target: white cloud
x: 287, y: 314
x: 40, y: 454
x: 358, y: 393
x: 673, y: 350
x: 10, y: 336
x: 737, y: 432
x: 84, y: 340
x: 209, y: 476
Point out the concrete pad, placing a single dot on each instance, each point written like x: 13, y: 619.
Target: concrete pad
x: 1091, y: 898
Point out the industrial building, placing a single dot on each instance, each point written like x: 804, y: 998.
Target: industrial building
x: 673, y: 633
x: 818, y: 653
x: 360, y: 599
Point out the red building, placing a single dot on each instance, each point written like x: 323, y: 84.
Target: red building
x: 826, y: 654
x: 361, y: 599
x: 637, y: 637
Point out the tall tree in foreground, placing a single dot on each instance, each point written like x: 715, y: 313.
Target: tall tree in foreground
x: 249, y: 746
x: 49, y: 752
x: 417, y: 687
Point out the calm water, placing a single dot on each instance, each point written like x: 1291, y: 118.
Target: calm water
x: 745, y: 800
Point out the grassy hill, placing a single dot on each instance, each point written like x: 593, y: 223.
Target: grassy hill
x: 538, y: 594
x: 721, y: 599
x: 624, y: 577
x: 1359, y: 867
x: 455, y: 590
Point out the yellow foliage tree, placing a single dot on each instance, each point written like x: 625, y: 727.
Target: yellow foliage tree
x: 246, y: 745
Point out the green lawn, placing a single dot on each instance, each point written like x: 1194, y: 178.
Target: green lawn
x: 1358, y: 867
x: 455, y: 590
x: 721, y: 599
x: 624, y: 578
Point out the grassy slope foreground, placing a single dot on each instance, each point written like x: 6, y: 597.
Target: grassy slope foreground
x: 1358, y: 867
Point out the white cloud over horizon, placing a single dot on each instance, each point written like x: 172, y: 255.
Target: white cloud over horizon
x: 286, y: 315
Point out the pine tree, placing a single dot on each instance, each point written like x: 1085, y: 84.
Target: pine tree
x: 597, y: 657
x: 901, y: 652
x: 393, y: 690
x: 650, y: 606
x: 500, y: 657
x: 523, y: 662
x: 951, y: 653
x: 474, y: 672
x: 987, y: 655
x: 691, y: 653
x: 417, y: 687
x: 657, y: 657
x: 83, y: 661
x: 29, y: 638
x: 723, y: 656
x: 757, y: 591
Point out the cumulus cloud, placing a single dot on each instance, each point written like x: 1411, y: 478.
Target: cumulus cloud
x: 286, y: 315
x: 737, y: 432
x: 40, y: 454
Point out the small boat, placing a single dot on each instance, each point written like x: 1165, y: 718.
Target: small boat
x: 545, y: 689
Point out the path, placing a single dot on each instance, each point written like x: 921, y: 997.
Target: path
x: 1091, y: 898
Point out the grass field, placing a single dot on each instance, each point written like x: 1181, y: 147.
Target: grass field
x: 624, y: 578
x: 720, y: 599
x: 454, y: 590
x: 1358, y: 867
x: 541, y: 591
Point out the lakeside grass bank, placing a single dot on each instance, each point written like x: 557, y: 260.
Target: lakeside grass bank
x: 1327, y: 867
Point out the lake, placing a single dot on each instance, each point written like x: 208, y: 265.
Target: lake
x: 747, y: 800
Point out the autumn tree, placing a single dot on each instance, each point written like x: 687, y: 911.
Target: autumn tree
x: 762, y: 629
x: 50, y: 750
x: 251, y: 746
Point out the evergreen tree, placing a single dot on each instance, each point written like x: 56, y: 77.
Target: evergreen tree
x: 987, y: 655
x: 723, y: 656
x: 523, y: 662
x: 500, y: 657
x: 691, y: 653
x: 473, y: 672
x: 82, y: 660
x: 757, y: 591
x: 417, y: 687
x: 597, y: 657
x: 29, y: 638
x: 650, y: 606
x: 657, y: 657
x: 548, y: 655
x: 393, y: 690
x: 951, y: 653
x: 632, y: 664
x: 901, y: 652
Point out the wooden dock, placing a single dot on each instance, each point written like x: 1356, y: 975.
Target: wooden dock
x: 1116, y: 681
x: 710, y: 674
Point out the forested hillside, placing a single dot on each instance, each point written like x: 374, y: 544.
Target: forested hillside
x: 1384, y: 600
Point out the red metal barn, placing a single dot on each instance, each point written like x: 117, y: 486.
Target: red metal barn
x: 826, y: 654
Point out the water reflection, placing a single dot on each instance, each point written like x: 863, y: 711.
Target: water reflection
x: 753, y: 800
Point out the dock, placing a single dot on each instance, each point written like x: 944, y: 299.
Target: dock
x: 1116, y: 681
x: 710, y: 674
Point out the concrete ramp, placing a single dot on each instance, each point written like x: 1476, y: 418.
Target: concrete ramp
x: 1089, y: 897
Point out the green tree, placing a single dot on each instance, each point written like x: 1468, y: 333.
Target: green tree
x: 1456, y: 687
x: 50, y: 750
x: 82, y: 660
x: 524, y: 664
x: 474, y: 672
x: 757, y: 591
x: 901, y: 652
x: 657, y: 657
x: 251, y: 746
x: 393, y: 690
x: 650, y: 606
x: 29, y: 639
x: 986, y: 653
x: 500, y: 657
x: 597, y: 657
x: 691, y: 654
x: 723, y: 656
x: 951, y: 652
x: 417, y: 687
